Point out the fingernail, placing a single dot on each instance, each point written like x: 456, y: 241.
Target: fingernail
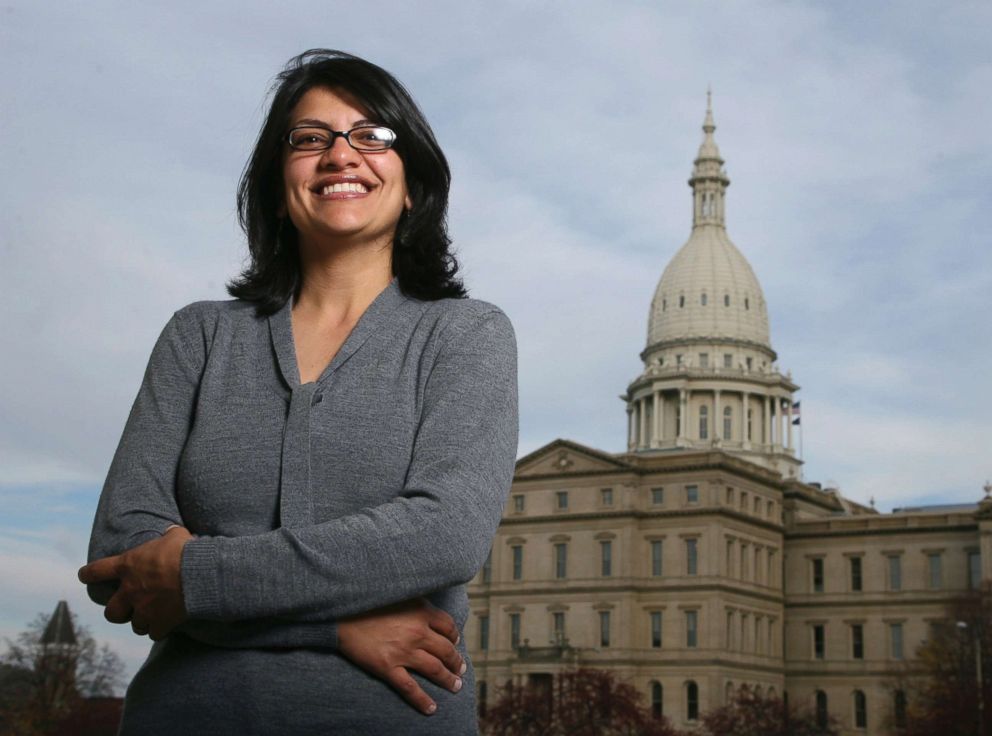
x: 431, y: 708
x: 458, y: 640
x: 457, y: 686
x: 464, y: 669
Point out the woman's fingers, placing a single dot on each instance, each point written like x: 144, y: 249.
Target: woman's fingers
x: 435, y: 670
x: 119, y: 609
x: 444, y: 651
x: 410, y: 691
x: 443, y: 624
x: 139, y: 626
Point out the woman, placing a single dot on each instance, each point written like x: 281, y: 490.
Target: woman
x: 311, y: 472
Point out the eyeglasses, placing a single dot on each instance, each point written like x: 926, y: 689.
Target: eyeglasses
x: 364, y: 138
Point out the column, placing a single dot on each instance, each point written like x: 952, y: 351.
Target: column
x: 631, y: 425
x: 642, y: 439
x: 766, y: 428
x: 682, y: 409
x: 656, y: 430
x: 744, y: 407
x: 717, y: 416
x: 789, y: 420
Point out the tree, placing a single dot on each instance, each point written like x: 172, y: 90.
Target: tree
x: 750, y: 714
x: 580, y: 702
x: 940, y: 692
x: 50, y: 670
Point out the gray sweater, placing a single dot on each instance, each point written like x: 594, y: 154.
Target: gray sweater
x: 382, y: 481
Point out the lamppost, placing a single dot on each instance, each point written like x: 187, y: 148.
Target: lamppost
x: 978, y: 669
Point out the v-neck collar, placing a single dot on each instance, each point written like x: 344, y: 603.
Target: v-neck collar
x: 281, y: 330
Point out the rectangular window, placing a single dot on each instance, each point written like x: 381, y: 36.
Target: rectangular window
x: 704, y: 360
x: 855, y: 574
x: 817, y: 574
x: 561, y: 560
x: 857, y: 641
x: 935, y: 571
x: 483, y: 633
x: 518, y: 503
x: 743, y: 501
x: 561, y: 500
x: 656, y: 558
x: 728, y: 360
x: 690, y: 557
x: 518, y: 561
x: 692, y: 494
x: 974, y: 570
x: 606, y: 558
x: 895, y: 640
x: 656, y: 629
x: 606, y: 496
x: 819, y: 643
x: 657, y: 496
x: 514, y: 630
x: 604, y: 628
x: 691, y: 631
x: 895, y: 572
x: 559, y: 626
x: 678, y: 359
x: 487, y: 568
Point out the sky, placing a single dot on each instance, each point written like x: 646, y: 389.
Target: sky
x: 856, y: 138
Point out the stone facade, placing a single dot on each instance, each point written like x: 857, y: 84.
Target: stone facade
x: 699, y: 561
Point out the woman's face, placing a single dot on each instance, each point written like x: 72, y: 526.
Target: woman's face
x: 371, y: 187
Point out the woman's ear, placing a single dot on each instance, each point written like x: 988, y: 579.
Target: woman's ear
x: 407, y: 203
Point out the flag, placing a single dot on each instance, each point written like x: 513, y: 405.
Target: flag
x: 795, y: 413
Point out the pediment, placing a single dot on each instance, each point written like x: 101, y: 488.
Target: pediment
x: 564, y: 457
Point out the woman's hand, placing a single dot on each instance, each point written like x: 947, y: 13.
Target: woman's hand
x: 150, y: 594
x: 411, y: 635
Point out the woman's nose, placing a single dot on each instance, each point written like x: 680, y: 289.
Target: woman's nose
x: 341, y: 154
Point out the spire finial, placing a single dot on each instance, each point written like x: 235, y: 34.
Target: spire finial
x: 708, y: 125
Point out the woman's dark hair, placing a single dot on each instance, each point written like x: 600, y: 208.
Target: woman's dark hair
x: 422, y: 261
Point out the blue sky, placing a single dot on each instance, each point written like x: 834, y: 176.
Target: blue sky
x: 856, y: 138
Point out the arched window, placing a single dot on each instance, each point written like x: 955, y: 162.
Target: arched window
x: 664, y: 304
x: 747, y: 303
x: 860, y: 710
x: 728, y: 416
x: 691, y: 701
x: 757, y: 691
x: 657, y: 709
x: 681, y: 300
x: 704, y: 422
x: 728, y: 693
x: 702, y: 299
x: 726, y: 300
x: 821, y: 709
x: 899, y: 706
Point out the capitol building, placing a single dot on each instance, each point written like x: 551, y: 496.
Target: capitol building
x: 699, y: 560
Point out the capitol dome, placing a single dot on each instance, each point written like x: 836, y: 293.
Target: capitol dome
x: 708, y: 291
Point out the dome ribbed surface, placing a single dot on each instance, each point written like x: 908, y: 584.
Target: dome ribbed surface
x: 709, y: 263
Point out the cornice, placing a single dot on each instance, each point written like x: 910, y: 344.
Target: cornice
x: 697, y: 339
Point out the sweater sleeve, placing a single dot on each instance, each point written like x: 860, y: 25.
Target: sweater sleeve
x: 435, y: 534
x: 138, y: 501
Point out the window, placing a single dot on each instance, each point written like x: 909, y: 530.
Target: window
x: 726, y: 300
x: 691, y: 629
x: 561, y: 560
x: 895, y: 640
x: 704, y: 423
x: 690, y: 557
x: 514, y: 630
x: 899, y: 708
x: 558, y: 624
x: 817, y: 574
x: 728, y: 415
x: 483, y: 633
x: 518, y: 561
x: 747, y: 303
x: 692, y: 494
x: 678, y: 359
x: 606, y: 496
x: 606, y: 558
x: 934, y: 570
x: 483, y: 695
x: 857, y: 641
x: 681, y: 300
x: 702, y: 298
x: 656, y: 629
x: 747, y: 362
x: 728, y: 360
x: 895, y: 572
x: 819, y: 641
x: 518, y: 503
x: 743, y: 500
x: 821, y: 709
x: 691, y: 701
x: 657, y: 709
x: 974, y: 570
x: 860, y: 710
x: 656, y: 558
x: 730, y: 496
x: 561, y: 500
x: 855, y: 563
x: 704, y: 360
x: 604, y: 628
x: 657, y: 496
x: 487, y: 568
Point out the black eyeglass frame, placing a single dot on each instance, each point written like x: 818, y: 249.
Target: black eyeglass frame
x: 335, y: 134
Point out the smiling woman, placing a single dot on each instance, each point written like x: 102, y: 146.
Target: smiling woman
x: 311, y: 472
